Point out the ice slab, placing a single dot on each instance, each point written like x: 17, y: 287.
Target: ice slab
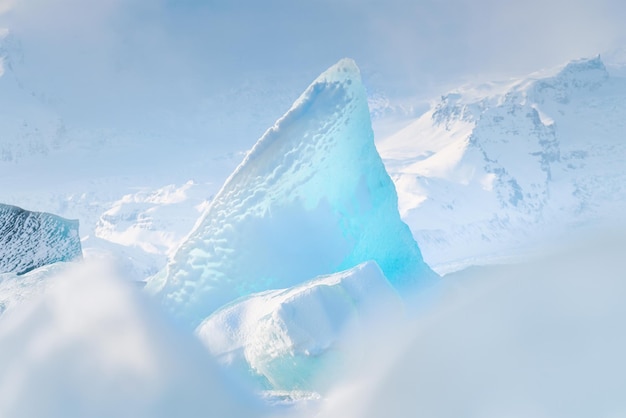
x: 29, y: 240
x: 291, y: 339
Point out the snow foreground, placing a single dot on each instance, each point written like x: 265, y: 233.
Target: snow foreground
x: 312, y: 197
x: 34, y: 239
x: 542, y: 339
x: 88, y: 344
x: 291, y: 339
x: 496, y: 169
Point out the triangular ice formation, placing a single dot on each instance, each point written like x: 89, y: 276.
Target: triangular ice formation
x: 312, y: 197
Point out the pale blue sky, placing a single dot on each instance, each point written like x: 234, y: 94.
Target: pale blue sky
x: 182, y: 51
x: 418, y: 39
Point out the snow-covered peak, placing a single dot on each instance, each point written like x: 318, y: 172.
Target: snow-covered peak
x: 467, y: 103
x: 584, y: 71
x: 497, y: 166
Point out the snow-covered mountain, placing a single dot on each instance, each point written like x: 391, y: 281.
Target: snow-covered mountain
x: 29, y: 240
x: 494, y: 169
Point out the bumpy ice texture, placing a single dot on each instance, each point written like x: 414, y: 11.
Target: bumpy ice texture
x: 29, y: 240
x: 291, y: 338
x: 312, y: 197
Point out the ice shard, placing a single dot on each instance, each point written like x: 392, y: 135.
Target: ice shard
x: 312, y: 197
x: 29, y: 240
x: 290, y: 339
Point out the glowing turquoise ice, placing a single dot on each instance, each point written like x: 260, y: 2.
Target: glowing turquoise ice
x: 312, y: 197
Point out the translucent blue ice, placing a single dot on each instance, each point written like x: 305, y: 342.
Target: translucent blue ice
x: 29, y: 240
x: 293, y: 339
x: 312, y: 197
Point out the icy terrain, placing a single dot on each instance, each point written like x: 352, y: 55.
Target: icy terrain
x: 34, y: 239
x: 539, y: 339
x: 87, y: 344
x: 16, y: 290
x: 291, y: 339
x: 312, y: 197
x: 541, y: 154
x: 493, y: 170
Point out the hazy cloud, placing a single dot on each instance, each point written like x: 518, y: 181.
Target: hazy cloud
x: 104, y: 56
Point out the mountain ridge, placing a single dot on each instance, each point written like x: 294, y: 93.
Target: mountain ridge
x: 498, y: 171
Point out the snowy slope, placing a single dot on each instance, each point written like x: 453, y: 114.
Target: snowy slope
x: 537, y: 339
x: 16, y: 290
x: 494, y: 169
x: 34, y: 239
x: 291, y: 338
x: 312, y: 197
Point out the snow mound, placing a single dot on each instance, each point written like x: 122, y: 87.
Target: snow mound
x: 312, y: 197
x: 290, y: 338
x: 539, y: 339
x: 90, y: 346
x: 33, y: 239
x: 16, y: 290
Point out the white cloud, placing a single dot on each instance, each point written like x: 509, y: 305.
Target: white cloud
x: 6, y: 5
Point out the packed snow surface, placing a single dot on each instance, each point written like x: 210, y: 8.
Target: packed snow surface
x: 312, y: 197
x: 33, y: 239
x: 291, y: 338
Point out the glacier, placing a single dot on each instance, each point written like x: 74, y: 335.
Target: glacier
x: 312, y: 197
x: 496, y: 170
x: 291, y: 339
x: 29, y: 240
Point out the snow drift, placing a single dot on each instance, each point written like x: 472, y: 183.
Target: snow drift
x: 540, y: 339
x: 90, y: 345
